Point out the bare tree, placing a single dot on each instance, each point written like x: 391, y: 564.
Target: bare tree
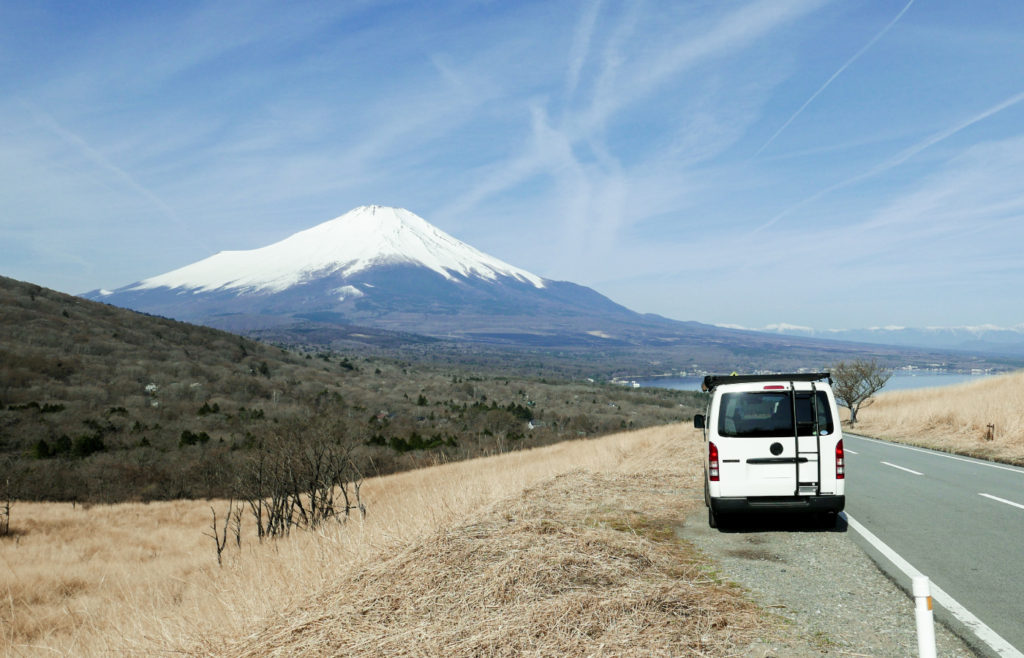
x: 297, y: 475
x: 855, y: 382
x: 5, y: 510
x: 355, y: 479
x: 236, y: 526
x: 220, y: 534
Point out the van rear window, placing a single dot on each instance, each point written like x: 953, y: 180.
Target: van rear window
x: 771, y: 414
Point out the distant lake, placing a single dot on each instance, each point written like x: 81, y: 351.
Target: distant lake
x: 905, y: 382
x: 898, y: 382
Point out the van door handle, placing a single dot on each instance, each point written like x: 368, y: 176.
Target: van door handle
x: 777, y: 460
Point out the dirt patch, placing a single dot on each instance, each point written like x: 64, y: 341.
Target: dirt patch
x: 754, y: 554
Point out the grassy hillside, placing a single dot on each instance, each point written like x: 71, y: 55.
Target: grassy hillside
x: 569, y: 549
x: 954, y: 418
x: 102, y: 404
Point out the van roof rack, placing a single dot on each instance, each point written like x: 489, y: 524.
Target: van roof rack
x: 711, y: 381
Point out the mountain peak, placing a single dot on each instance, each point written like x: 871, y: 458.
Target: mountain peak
x: 362, y: 238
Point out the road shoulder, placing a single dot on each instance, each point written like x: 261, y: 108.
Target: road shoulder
x: 821, y: 582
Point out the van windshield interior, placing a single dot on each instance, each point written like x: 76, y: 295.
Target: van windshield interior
x: 771, y: 414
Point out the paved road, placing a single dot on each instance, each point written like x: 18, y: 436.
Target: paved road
x: 959, y: 521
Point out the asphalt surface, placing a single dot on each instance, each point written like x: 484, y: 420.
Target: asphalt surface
x: 959, y: 521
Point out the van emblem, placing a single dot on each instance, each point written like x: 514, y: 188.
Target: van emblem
x: 776, y: 448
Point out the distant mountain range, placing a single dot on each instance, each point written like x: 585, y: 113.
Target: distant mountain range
x: 387, y: 270
x: 985, y: 339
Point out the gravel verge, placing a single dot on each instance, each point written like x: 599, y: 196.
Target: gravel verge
x: 838, y: 602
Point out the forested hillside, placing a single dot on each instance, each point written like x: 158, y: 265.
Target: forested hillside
x: 99, y: 403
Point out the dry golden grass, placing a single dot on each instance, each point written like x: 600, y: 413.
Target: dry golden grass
x: 142, y: 579
x: 70, y: 574
x: 586, y: 564
x: 954, y: 418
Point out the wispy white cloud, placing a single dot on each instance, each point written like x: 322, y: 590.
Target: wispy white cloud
x: 576, y: 154
x: 579, y: 52
x: 681, y: 51
x: 102, y: 162
x: 835, y: 75
x: 142, y: 52
x: 897, y: 159
x: 976, y: 196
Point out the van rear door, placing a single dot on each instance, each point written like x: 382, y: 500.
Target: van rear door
x: 760, y: 451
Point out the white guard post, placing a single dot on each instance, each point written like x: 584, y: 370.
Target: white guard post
x: 925, y: 619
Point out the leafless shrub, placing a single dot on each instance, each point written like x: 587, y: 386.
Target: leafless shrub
x: 303, y: 476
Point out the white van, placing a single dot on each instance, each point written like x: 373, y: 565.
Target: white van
x: 772, y: 443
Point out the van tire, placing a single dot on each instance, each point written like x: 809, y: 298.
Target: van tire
x: 712, y: 520
x: 828, y: 520
x: 712, y: 517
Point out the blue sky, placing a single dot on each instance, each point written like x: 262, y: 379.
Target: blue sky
x: 825, y: 164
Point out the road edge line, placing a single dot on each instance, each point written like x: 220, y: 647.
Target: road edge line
x: 981, y: 630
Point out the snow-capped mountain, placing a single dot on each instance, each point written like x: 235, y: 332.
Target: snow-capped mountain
x: 364, y: 238
x: 380, y: 267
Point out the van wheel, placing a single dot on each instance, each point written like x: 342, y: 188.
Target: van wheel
x: 828, y: 520
x: 712, y: 521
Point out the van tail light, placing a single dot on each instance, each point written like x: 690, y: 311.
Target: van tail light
x: 840, y: 462
x: 712, y: 462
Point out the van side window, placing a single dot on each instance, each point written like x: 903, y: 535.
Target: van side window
x: 771, y: 414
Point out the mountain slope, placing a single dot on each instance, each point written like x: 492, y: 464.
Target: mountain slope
x: 377, y: 269
x: 984, y: 339
x: 385, y: 268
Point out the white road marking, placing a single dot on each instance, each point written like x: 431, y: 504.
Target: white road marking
x: 1002, y: 500
x: 936, y: 453
x: 850, y: 452
x: 902, y: 468
x: 978, y: 627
